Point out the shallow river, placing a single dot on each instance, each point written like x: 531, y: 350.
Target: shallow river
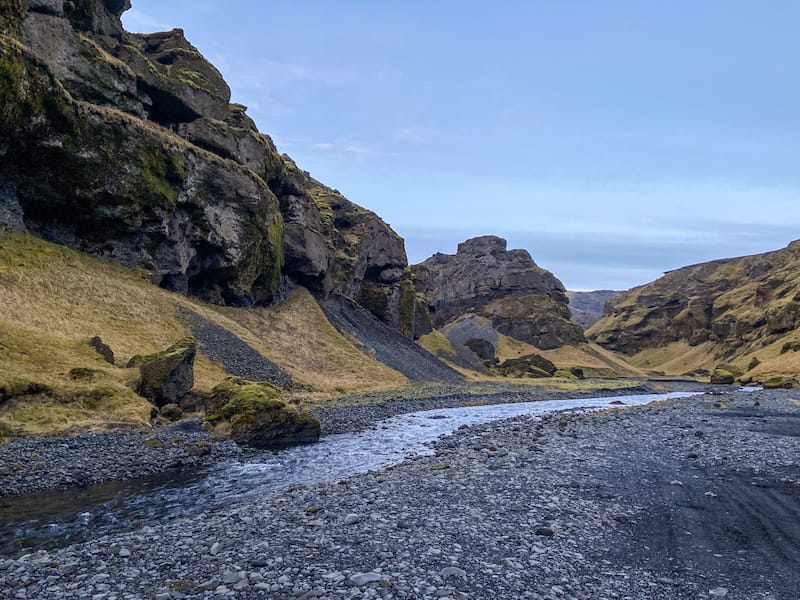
x: 58, y: 518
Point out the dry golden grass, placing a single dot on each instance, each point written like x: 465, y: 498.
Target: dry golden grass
x: 297, y: 336
x: 676, y: 358
x: 56, y: 299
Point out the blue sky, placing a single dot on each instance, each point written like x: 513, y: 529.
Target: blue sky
x: 614, y: 140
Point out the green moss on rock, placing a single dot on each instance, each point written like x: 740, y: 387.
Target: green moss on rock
x: 167, y: 376
x: 257, y: 415
x: 722, y: 377
x: 530, y: 365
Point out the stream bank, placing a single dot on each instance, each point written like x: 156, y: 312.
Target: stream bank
x: 690, y: 498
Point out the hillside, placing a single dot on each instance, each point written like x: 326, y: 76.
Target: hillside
x: 57, y: 299
x: 744, y: 311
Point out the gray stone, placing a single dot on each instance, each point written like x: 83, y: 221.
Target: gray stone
x: 361, y: 579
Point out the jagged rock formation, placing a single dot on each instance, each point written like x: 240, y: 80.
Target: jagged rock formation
x: 587, y: 307
x: 737, y: 305
x: 521, y: 299
x: 127, y: 146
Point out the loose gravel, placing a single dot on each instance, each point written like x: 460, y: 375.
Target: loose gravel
x: 563, y: 507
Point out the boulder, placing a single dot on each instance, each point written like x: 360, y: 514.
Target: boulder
x: 167, y: 376
x: 531, y: 365
x: 481, y: 347
x: 722, y: 377
x: 258, y: 417
x: 780, y: 382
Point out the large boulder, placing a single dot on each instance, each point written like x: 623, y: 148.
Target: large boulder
x: 257, y: 417
x: 166, y: 377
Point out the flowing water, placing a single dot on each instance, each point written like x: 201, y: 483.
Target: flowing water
x: 55, y: 519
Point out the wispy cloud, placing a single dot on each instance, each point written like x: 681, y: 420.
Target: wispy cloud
x: 137, y: 20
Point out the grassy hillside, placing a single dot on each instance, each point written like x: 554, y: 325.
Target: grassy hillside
x: 593, y: 359
x: 731, y: 310
x: 56, y: 299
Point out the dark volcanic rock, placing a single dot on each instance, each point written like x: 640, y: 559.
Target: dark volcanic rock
x: 521, y: 299
x: 167, y: 376
x: 127, y: 146
x: 385, y: 343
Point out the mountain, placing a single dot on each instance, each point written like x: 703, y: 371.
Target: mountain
x: 587, y: 307
x: 743, y: 310
x: 126, y: 146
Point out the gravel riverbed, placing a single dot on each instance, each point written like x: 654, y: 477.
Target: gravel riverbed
x: 41, y: 463
x: 690, y: 498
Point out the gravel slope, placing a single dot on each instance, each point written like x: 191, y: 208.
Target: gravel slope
x: 675, y: 501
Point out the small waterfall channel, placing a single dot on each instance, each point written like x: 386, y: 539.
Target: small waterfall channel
x: 54, y: 519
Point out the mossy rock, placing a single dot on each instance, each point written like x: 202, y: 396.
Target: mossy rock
x: 570, y: 373
x: 530, y: 365
x: 257, y: 415
x: 774, y: 383
x: 730, y: 368
x: 722, y: 377
x: 102, y: 349
x: 167, y: 376
x: 483, y: 348
x: 171, y: 412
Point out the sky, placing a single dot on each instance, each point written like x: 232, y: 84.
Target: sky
x: 613, y: 140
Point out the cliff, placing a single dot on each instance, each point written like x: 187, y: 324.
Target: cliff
x: 126, y: 146
x: 736, y: 309
x: 506, y: 287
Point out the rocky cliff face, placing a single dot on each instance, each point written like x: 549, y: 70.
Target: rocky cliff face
x: 521, y: 299
x: 127, y: 146
x: 738, y: 305
x: 587, y: 307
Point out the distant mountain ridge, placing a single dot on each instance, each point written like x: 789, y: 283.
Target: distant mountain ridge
x: 587, y: 307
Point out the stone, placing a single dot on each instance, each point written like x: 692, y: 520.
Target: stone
x: 102, y: 349
x: 361, y: 579
x: 483, y: 348
x: 352, y: 518
x: 167, y: 376
x: 11, y: 217
x: 452, y: 572
x: 171, y: 412
x: 258, y: 417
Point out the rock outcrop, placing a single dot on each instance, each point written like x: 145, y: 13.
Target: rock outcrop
x: 483, y: 278
x: 127, y: 146
x: 737, y: 306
